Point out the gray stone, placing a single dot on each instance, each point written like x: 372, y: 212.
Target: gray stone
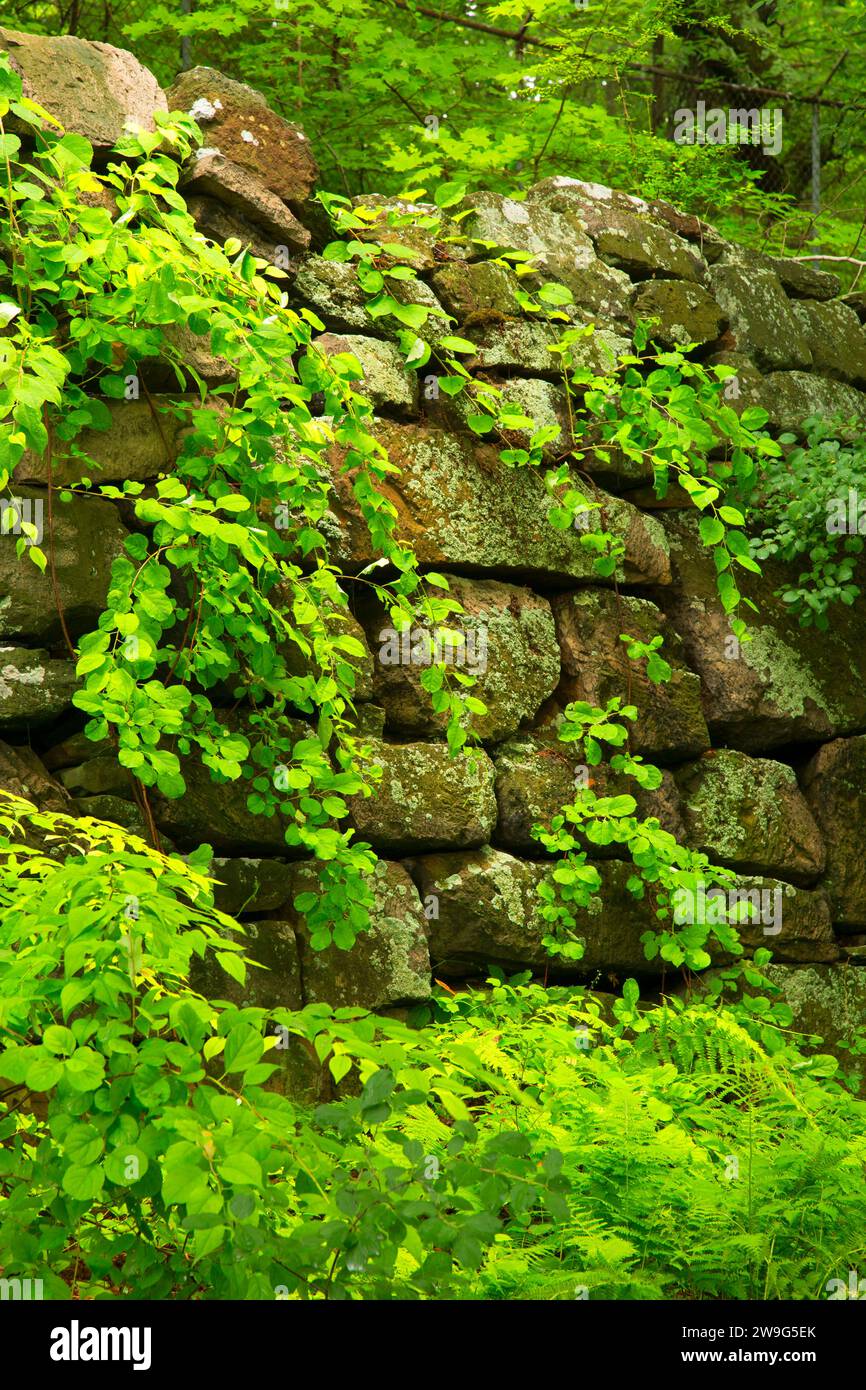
x: 597, y: 668
x: 387, y: 965
x: 460, y: 506
x: 88, y: 536
x: 836, y: 340
x: 237, y: 120
x: 763, y: 322
x: 94, y: 89
x: 834, y: 784
x: 749, y: 814
x: 684, y: 312
x: 34, y: 688
x: 426, y: 799
x: 387, y: 383
x: 509, y: 646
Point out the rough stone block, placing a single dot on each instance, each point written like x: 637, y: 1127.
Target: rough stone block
x: 749, y: 814
x: 460, y: 506
x: 94, y: 89
x: 387, y: 965
x: 509, y: 646
x: 426, y: 799
x: 834, y: 784
x: 88, y: 536
x: 596, y: 668
x: 237, y: 120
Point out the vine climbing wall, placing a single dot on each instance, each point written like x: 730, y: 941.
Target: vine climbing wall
x: 763, y: 743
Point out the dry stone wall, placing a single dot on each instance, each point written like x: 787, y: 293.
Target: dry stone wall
x: 763, y: 745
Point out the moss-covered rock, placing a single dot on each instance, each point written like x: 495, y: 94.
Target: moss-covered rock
x: 828, y: 1001
x: 93, y: 89
x: 509, y: 647
x: 387, y: 965
x: 426, y: 799
x: 88, y: 536
x: 794, y: 923
x: 834, y: 784
x: 782, y: 686
x: 484, y: 909
x: 749, y: 814
x: 763, y: 322
x: 252, y: 886
x: 34, y: 689
x: 274, y: 982
x: 217, y: 177
x: 804, y: 281
x: 476, y: 290
x: 622, y: 229
x: 461, y: 507
x: 836, y: 340
x: 596, y: 668
x: 142, y: 440
x: 536, y: 775
x: 523, y: 345
x: 681, y: 312
x: 387, y: 383
x: 238, y: 122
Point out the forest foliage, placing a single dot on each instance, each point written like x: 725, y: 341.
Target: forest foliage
x: 512, y: 1141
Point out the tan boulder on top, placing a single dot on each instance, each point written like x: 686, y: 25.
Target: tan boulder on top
x: 92, y: 88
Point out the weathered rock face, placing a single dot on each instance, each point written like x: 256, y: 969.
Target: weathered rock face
x: 88, y: 535
x: 835, y: 788
x: 217, y: 177
x: 34, y: 689
x: 780, y: 687
x: 763, y: 323
x: 388, y: 965
x: 462, y: 508
x: 426, y: 799
x: 236, y: 120
x: 596, y: 668
x: 540, y: 627
x: 749, y: 814
x: 509, y: 647
x: 92, y: 88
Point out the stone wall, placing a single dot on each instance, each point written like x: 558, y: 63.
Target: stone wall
x: 763, y: 745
